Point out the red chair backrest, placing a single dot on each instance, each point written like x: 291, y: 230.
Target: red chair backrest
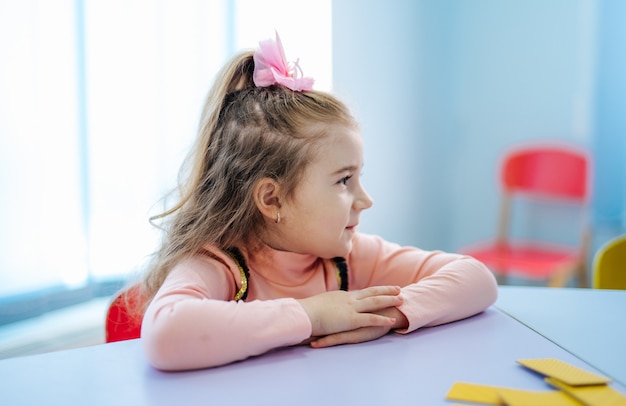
x: 121, y: 322
x: 555, y: 171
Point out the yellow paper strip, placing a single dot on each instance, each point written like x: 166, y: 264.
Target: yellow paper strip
x: 515, y: 397
x: 469, y: 392
x: 496, y: 395
x: 564, y: 372
x: 591, y: 395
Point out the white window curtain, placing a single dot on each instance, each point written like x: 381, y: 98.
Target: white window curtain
x: 99, y: 101
x: 41, y: 235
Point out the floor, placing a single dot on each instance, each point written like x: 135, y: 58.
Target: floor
x: 72, y: 327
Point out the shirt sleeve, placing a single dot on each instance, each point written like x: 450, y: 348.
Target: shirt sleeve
x: 437, y: 287
x: 192, y: 322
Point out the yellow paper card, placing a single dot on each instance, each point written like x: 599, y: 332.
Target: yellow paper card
x: 469, y: 392
x: 496, y: 395
x: 564, y: 372
x: 515, y: 397
x: 591, y: 395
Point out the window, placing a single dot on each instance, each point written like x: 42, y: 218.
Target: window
x: 99, y: 102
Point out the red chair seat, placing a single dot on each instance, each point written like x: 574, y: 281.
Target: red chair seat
x: 122, y: 323
x: 535, y: 262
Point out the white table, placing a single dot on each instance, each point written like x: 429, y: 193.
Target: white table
x: 589, y: 323
x: 414, y: 369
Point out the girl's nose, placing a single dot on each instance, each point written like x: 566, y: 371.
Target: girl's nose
x: 363, y: 200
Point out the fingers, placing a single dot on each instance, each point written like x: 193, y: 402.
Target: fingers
x: 338, y: 311
x: 350, y: 337
x: 372, y: 304
x: 377, y: 291
x: 377, y: 298
x: 370, y: 320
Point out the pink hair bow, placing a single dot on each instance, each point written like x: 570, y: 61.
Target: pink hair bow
x: 271, y: 67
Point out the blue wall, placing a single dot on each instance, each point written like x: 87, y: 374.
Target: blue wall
x: 442, y: 88
x: 609, y: 142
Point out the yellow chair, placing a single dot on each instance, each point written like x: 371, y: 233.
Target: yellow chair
x: 609, y: 265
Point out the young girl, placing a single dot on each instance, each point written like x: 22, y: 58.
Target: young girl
x: 262, y: 250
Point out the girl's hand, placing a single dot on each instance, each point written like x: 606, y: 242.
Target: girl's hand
x: 339, y: 311
x: 362, y: 334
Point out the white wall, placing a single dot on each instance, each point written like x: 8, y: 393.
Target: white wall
x: 441, y: 88
x: 375, y: 61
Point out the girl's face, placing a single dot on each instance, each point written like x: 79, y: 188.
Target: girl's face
x: 322, y: 217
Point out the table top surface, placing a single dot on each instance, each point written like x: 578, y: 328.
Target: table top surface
x: 417, y: 368
x: 589, y: 323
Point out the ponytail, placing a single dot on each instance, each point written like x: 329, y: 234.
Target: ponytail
x: 235, y: 75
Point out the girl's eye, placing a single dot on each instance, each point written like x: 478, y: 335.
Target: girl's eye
x: 344, y: 180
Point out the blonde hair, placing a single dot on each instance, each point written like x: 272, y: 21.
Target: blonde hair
x: 246, y: 133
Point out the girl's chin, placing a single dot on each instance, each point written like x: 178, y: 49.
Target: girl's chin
x: 345, y: 249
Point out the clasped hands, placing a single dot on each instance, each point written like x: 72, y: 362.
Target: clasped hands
x: 340, y: 317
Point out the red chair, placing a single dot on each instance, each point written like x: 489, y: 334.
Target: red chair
x: 555, y: 173
x: 121, y: 323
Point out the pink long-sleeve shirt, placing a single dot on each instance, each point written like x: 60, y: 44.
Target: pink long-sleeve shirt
x: 193, y: 321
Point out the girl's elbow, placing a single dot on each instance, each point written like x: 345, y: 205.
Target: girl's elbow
x: 488, y: 282
x: 172, y: 347
x: 160, y: 348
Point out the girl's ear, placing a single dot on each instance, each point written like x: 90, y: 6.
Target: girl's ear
x: 267, y: 197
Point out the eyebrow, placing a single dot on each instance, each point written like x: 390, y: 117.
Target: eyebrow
x: 348, y: 168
